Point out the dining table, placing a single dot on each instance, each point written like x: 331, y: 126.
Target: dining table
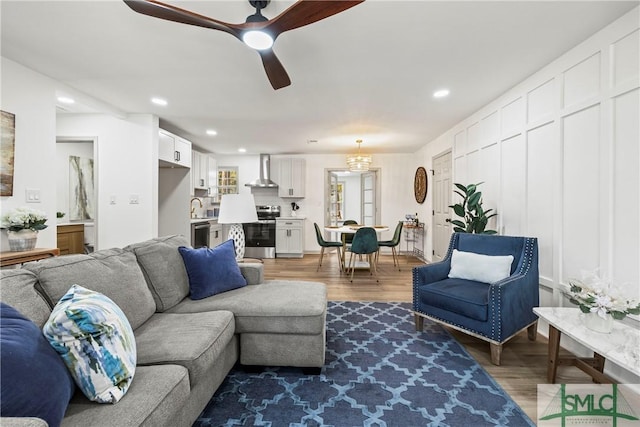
x: 352, y: 229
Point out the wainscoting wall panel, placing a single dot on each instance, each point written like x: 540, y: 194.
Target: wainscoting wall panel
x: 569, y: 162
x: 581, y: 193
x: 541, y: 102
x: 626, y: 56
x: 513, y: 207
x: 626, y: 234
x: 541, y: 186
x: 582, y: 81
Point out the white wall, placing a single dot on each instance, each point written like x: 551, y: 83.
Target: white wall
x: 126, y: 164
x: 31, y: 97
x: 560, y: 158
x: 352, y: 195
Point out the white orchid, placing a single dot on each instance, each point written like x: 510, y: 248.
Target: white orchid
x: 596, y: 295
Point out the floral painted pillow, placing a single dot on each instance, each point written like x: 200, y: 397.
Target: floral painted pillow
x: 96, y: 342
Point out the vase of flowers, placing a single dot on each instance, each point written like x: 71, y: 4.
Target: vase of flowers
x: 601, y: 302
x: 22, y: 225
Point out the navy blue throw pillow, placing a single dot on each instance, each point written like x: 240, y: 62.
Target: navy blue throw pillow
x: 34, y: 380
x: 212, y: 271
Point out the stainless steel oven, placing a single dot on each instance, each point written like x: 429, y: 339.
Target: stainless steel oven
x: 260, y: 237
x: 200, y: 234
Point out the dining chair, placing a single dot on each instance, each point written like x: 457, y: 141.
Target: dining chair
x: 365, y: 242
x: 393, y: 243
x: 347, y: 238
x: 327, y: 244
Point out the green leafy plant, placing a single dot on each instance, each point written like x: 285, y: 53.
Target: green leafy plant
x: 474, y: 217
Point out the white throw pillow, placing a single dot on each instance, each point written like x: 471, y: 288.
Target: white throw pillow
x: 481, y: 268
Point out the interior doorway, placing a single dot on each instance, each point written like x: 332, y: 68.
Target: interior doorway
x: 77, y: 186
x: 352, y: 195
x: 442, y: 191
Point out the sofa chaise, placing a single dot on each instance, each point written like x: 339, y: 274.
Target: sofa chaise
x: 185, y: 347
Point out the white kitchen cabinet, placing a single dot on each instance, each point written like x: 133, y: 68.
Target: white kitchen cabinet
x: 200, y: 171
x: 289, y: 238
x: 290, y: 173
x: 215, y: 234
x: 173, y: 150
x: 212, y: 176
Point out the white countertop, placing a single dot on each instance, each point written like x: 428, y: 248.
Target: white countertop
x: 194, y: 220
x: 289, y: 218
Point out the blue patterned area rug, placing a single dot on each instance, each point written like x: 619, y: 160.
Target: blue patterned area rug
x: 379, y: 372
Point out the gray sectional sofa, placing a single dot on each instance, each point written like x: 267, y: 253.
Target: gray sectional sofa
x: 185, y: 347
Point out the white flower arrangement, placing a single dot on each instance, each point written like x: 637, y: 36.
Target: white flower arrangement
x: 596, y: 295
x: 24, y: 219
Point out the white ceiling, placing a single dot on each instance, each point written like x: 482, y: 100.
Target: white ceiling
x: 368, y: 72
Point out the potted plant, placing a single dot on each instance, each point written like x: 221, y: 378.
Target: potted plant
x: 474, y: 217
x: 22, y: 225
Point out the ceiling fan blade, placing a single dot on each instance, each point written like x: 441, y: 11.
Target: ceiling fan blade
x: 305, y: 12
x: 168, y: 12
x: 275, y: 71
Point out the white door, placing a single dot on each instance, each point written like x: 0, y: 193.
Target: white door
x: 442, y: 191
x: 368, y: 185
x: 331, y: 212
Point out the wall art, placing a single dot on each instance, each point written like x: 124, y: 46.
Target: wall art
x: 81, y: 191
x: 7, y: 152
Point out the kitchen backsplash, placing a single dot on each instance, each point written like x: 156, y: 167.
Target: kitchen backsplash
x: 262, y: 196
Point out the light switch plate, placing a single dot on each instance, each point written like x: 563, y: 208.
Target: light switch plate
x: 33, y: 195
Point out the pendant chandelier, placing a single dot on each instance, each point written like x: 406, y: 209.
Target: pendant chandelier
x: 358, y: 162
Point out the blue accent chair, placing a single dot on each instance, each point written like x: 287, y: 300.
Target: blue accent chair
x: 493, y: 312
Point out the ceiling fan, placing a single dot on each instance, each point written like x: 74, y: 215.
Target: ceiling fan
x: 257, y: 32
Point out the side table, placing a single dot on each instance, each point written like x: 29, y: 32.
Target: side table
x: 13, y: 258
x: 621, y: 346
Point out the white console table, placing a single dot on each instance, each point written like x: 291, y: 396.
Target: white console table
x: 621, y: 346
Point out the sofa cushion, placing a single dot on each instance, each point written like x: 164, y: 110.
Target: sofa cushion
x: 478, y: 267
x: 96, y: 342
x: 156, y: 395
x: 212, y: 270
x: 112, y: 272
x: 18, y: 290
x: 163, y: 269
x: 275, y: 306
x: 194, y: 340
x: 34, y: 380
x: 465, y: 297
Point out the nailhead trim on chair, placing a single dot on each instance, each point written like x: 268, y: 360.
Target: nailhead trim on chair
x: 494, y: 290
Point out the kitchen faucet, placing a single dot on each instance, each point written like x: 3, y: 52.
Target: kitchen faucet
x: 193, y: 210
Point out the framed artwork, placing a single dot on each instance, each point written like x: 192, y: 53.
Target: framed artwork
x: 7, y: 152
x: 420, y: 185
x: 81, y: 192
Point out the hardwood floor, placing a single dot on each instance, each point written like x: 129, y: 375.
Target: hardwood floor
x: 524, y: 363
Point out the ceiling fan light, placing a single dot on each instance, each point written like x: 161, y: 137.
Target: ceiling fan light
x: 258, y: 40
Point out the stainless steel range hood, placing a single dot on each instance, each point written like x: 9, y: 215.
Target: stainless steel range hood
x: 264, y: 180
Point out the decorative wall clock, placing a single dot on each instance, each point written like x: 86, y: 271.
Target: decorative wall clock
x: 420, y: 185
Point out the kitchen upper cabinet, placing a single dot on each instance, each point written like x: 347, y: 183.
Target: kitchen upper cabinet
x: 200, y: 171
x: 173, y: 150
x: 289, y: 238
x: 290, y: 173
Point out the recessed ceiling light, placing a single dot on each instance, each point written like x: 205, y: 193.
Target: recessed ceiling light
x: 441, y: 93
x: 159, y: 101
x: 66, y: 100
x: 211, y: 132
x: 242, y: 150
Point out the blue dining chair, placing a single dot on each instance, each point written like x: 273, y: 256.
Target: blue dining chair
x: 365, y: 242
x: 327, y: 244
x: 393, y: 243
